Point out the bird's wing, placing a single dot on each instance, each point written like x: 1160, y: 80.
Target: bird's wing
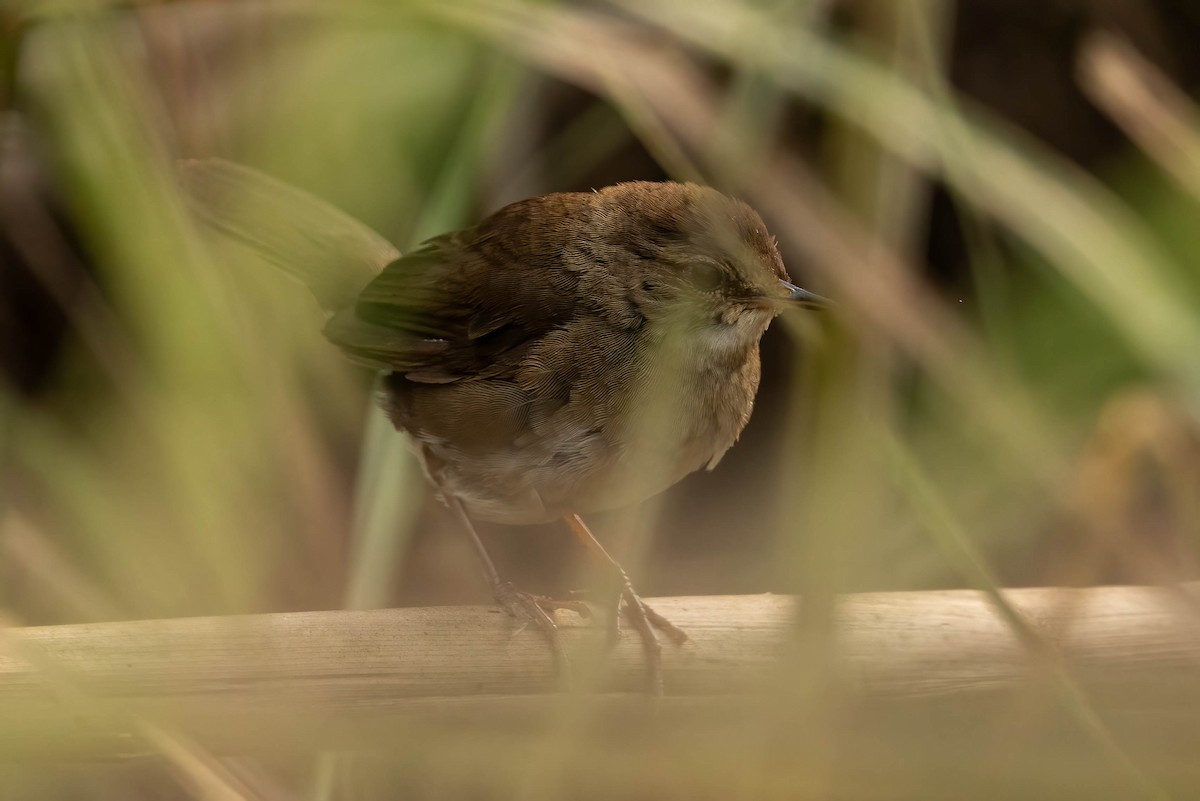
x: 465, y: 305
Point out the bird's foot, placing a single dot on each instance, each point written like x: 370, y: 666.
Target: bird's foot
x: 538, y: 610
x: 627, y: 604
x: 624, y: 600
x: 645, y: 621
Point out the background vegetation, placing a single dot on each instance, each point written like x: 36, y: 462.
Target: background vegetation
x: 1000, y: 196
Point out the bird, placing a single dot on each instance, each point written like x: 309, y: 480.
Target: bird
x: 570, y: 353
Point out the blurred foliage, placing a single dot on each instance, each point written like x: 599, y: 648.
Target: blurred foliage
x: 1009, y: 387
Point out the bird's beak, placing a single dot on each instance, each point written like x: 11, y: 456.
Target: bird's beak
x: 802, y: 297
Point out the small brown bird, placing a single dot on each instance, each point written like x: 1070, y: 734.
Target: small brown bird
x: 570, y: 353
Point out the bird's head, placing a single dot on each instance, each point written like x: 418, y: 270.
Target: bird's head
x: 700, y: 259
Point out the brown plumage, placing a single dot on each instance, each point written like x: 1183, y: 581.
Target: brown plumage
x: 573, y: 352
x: 570, y: 353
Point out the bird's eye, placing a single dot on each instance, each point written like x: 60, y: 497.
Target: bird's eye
x: 706, y: 276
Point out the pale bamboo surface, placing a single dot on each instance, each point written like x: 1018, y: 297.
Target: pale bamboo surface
x: 304, y: 677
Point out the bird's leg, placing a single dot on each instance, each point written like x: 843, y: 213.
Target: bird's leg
x: 534, y: 609
x: 597, y: 550
x: 640, y: 616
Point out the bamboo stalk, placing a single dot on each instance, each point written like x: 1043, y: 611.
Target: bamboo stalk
x: 96, y: 688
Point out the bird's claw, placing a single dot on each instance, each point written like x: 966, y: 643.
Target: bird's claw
x: 672, y: 632
x: 536, y: 610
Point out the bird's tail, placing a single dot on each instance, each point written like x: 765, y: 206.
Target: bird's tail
x: 334, y: 255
